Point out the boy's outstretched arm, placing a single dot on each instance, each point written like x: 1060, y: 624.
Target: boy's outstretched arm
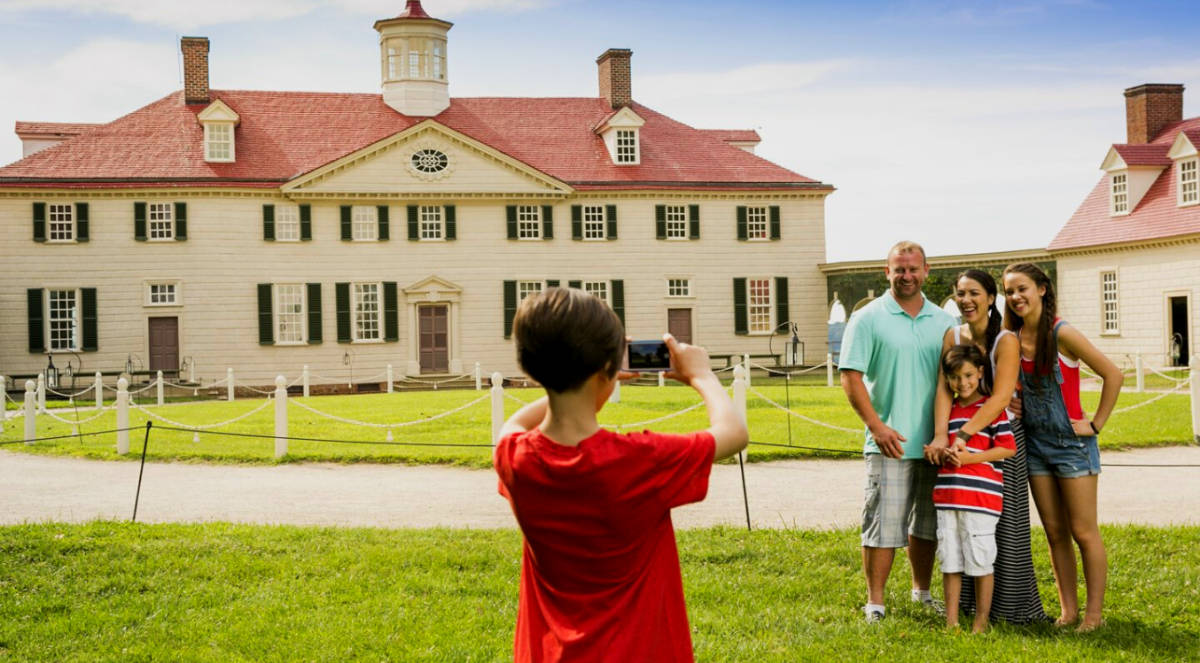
x: 691, y: 366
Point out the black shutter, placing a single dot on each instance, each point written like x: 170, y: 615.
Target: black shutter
x: 576, y: 221
x: 37, y: 327
x: 341, y: 292
x: 510, y: 306
x: 266, y: 318
x: 743, y: 234
x: 139, y: 221
x: 660, y: 221
x: 391, y: 313
x: 384, y: 232
x: 347, y: 224
x: 82, y: 233
x: 511, y: 214
x: 547, y: 222
x: 39, y: 222
x: 451, y: 223
x: 693, y: 222
x: 552, y: 283
x: 741, y: 324
x: 269, y: 223
x: 90, y: 320
x: 775, y: 224
x: 610, y: 219
x: 618, y: 300
x: 180, y: 221
x: 314, y: 312
x: 782, y: 314
x: 578, y: 285
x: 414, y: 226
x: 305, y: 223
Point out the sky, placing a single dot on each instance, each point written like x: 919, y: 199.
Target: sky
x: 968, y: 126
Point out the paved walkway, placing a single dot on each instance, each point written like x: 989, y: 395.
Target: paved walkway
x: 799, y: 494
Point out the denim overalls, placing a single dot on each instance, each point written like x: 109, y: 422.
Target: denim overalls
x: 1053, y: 446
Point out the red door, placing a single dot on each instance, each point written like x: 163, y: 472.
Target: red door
x: 434, y: 332
x: 164, y: 344
x: 679, y: 323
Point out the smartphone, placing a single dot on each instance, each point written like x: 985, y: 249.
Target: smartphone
x: 648, y: 356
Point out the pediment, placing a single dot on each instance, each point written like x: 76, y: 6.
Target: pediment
x: 428, y: 159
x: 1182, y: 147
x: 1113, y: 161
x: 218, y: 111
x: 623, y: 118
x: 433, y: 288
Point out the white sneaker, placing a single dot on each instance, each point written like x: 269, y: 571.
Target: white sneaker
x: 933, y: 604
x: 873, y: 616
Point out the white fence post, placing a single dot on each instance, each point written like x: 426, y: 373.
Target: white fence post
x: 281, y: 422
x: 615, y: 396
x: 30, y: 411
x: 497, y: 406
x: 305, y: 374
x: 829, y: 369
x: 746, y: 363
x: 229, y: 384
x: 3, y: 404
x: 123, y: 416
x: 1196, y: 397
x: 389, y: 378
x: 192, y: 371
x: 1141, y: 376
x: 478, y: 377
x: 740, y: 385
x: 41, y: 392
x: 661, y: 380
x: 159, y: 382
x: 99, y: 391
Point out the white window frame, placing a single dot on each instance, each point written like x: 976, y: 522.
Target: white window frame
x: 439, y: 61
x: 626, y: 150
x: 527, y: 288
x: 287, y: 223
x: 677, y: 221
x: 431, y: 223
x: 290, y: 327
x: 755, y: 309
x: 1119, y: 194
x: 54, y: 324
x: 176, y: 298
x: 394, y: 59
x: 359, y: 317
x: 529, y: 222
x: 1110, y: 304
x: 218, y: 142
x: 758, y: 223
x: 679, y: 287
x: 594, y: 223
x: 600, y: 289
x: 64, y: 224
x: 1189, y: 181
x: 364, y: 223
x: 160, y: 222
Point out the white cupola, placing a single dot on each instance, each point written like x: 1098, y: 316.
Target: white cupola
x: 412, y: 49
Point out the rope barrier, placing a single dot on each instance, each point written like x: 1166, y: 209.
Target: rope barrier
x: 774, y: 371
x: 336, y: 440
x: 72, y: 435
x: 798, y: 446
x: 435, y: 383
x: 76, y: 422
x: 1152, y: 400
x: 401, y: 424
x: 677, y: 413
x: 1172, y: 379
x: 818, y: 422
x: 514, y: 398
x: 196, y: 427
x: 70, y: 396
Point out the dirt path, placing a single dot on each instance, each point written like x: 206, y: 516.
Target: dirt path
x: 801, y: 494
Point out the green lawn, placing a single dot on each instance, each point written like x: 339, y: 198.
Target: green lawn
x: 1166, y: 421
x: 218, y: 592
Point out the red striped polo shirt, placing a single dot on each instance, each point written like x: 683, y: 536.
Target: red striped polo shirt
x: 976, y: 487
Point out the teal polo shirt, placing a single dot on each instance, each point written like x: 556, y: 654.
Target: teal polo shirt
x: 898, y: 356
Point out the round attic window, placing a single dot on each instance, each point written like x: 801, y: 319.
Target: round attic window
x: 429, y: 161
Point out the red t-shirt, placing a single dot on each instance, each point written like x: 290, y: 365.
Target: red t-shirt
x: 600, y: 576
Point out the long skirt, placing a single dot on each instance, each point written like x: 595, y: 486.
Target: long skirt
x: 1015, y: 598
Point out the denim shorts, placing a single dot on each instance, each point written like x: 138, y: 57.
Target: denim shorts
x: 1062, y: 456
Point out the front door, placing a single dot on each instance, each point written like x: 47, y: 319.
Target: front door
x: 164, y: 344
x: 1179, y: 345
x: 679, y: 324
x: 434, y: 322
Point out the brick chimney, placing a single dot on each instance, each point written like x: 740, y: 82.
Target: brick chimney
x: 615, y: 87
x: 195, y: 69
x: 1149, y: 108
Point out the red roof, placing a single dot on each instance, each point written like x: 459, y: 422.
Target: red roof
x: 1156, y: 216
x: 1148, y: 154
x: 734, y: 135
x: 283, y: 135
x: 54, y: 129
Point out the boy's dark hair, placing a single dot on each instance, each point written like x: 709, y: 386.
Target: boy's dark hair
x: 564, y: 335
x: 957, y: 355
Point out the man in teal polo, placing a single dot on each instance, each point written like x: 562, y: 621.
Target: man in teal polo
x: 889, y: 367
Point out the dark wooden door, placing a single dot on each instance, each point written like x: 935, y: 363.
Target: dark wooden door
x: 164, y: 344
x: 679, y: 324
x: 434, y: 335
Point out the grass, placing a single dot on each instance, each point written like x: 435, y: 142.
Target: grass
x: 1164, y: 422
x: 217, y: 592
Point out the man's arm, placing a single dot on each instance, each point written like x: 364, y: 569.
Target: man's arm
x: 888, y: 440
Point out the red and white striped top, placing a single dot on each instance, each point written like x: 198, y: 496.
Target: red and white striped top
x: 976, y: 487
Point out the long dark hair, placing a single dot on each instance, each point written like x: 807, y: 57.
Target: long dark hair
x: 1045, y: 353
x: 994, y: 319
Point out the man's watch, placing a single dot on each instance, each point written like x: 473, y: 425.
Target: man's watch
x: 963, y: 435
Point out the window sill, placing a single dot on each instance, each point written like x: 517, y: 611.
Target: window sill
x: 432, y: 239
x: 160, y: 240
x: 175, y: 305
x: 62, y: 241
x: 291, y: 344
x: 1189, y: 204
x: 365, y: 239
x: 677, y: 239
x: 1111, y: 334
x: 295, y: 240
x: 529, y: 239
x: 367, y: 341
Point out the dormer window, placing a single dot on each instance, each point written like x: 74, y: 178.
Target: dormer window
x: 1189, y: 182
x: 219, y: 121
x: 1120, y: 193
x: 627, y: 146
x: 620, y: 132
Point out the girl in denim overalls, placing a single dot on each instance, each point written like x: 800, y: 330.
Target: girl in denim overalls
x: 1063, y: 457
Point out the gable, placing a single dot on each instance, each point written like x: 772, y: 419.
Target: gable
x: 428, y: 159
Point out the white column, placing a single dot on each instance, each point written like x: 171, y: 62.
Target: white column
x: 305, y: 374
x: 740, y: 384
x: 123, y: 416
x: 159, y: 383
x: 41, y: 392
x: 1141, y: 376
x: 30, y: 411
x: 229, y: 384
x: 99, y: 390
x: 829, y: 369
x: 662, y: 381
x: 1196, y: 397
x: 389, y: 378
x: 497, y: 406
x: 281, y: 421
x: 615, y: 396
x: 746, y: 363
x: 478, y: 377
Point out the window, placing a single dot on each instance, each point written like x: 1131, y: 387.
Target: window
x: 527, y: 288
x: 289, y: 313
x: 287, y: 223
x: 366, y: 309
x: 432, y: 226
x: 529, y: 222
x: 393, y: 63
x: 63, y: 317
x: 677, y: 223
x: 218, y: 142
x: 627, y: 148
x: 1108, y: 303
x: 62, y: 222
x: 593, y: 222
x: 162, y: 220
x: 430, y: 161
x: 365, y: 220
x: 1120, y: 193
x: 438, y: 62
x: 414, y: 64
x: 756, y: 223
x: 679, y: 287
x: 1188, y: 182
x: 162, y: 294
x: 758, y: 304
x: 598, y: 289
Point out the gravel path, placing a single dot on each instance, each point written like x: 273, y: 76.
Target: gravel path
x: 792, y: 494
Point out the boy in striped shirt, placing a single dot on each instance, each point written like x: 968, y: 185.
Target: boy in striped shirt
x: 969, y: 490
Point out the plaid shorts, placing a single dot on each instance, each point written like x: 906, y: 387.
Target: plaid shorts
x: 899, y: 502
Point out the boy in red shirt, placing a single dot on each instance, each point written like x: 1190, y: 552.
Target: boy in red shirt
x: 969, y: 491
x: 600, y: 577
